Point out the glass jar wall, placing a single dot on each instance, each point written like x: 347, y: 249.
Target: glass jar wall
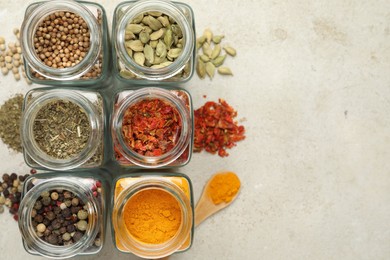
x: 152, y: 128
x: 66, y: 42
x: 154, y: 40
x: 169, y: 206
x: 63, y: 215
x: 63, y: 129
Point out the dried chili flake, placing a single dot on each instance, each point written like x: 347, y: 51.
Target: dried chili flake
x: 151, y: 127
x: 215, y: 128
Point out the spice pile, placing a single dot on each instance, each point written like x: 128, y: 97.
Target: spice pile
x: 223, y: 187
x: 151, y: 127
x: 11, y: 59
x: 59, y: 217
x: 215, y: 129
x: 61, y: 129
x: 10, y: 192
x: 10, y: 115
x: 212, y: 57
x: 154, y: 40
x: 152, y: 216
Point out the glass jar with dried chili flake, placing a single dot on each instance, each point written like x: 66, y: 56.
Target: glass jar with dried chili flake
x: 152, y: 127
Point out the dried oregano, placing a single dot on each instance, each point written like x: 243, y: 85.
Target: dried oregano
x: 10, y: 115
x: 211, y: 55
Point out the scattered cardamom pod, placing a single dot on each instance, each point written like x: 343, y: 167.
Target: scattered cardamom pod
x: 230, y: 50
x: 210, y: 69
x: 204, y: 58
x: 215, y: 53
x: 219, y: 60
x: 139, y: 58
x: 218, y: 38
x: 200, y: 68
x: 208, y: 34
x: 207, y: 49
x: 225, y: 71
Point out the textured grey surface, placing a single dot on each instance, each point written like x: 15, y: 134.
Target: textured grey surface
x: 312, y: 83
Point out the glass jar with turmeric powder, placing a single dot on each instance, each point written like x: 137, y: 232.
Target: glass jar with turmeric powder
x: 152, y: 128
x: 167, y: 201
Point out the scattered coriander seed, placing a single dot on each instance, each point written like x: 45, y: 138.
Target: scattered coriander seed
x: 4, y: 71
x: 2, y: 40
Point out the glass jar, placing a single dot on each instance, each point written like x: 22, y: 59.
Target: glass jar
x: 92, y: 70
x: 40, y: 148
x: 126, y: 69
x: 147, y: 140
x: 128, y: 188
x: 90, y: 198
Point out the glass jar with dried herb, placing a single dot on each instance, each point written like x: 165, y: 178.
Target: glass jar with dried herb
x: 152, y: 127
x: 165, y: 203
x: 66, y: 42
x: 60, y: 217
x: 154, y: 41
x: 63, y: 129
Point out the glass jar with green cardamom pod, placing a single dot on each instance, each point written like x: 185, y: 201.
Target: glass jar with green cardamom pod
x: 154, y: 40
x: 63, y: 129
x: 64, y: 215
x: 65, y: 42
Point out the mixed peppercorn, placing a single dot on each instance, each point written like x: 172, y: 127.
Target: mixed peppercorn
x: 11, y: 191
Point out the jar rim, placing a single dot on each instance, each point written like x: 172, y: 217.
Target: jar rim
x: 151, y: 161
x: 28, y: 29
x: 39, y: 245
x: 153, y: 251
x: 27, y: 134
x: 168, y: 8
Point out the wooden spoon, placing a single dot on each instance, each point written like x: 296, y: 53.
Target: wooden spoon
x: 206, y: 207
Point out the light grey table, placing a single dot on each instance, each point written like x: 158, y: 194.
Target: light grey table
x: 312, y: 83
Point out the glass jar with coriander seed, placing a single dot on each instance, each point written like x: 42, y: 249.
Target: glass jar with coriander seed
x: 66, y: 42
x: 152, y: 128
x: 167, y: 202
x: 154, y: 40
x: 63, y: 129
x: 61, y: 217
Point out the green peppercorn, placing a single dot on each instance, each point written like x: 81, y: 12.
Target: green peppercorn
x: 82, y: 214
x: 54, y: 196
x: 66, y: 236
x: 82, y: 225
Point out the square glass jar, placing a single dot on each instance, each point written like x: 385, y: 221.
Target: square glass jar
x: 93, y: 70
x: 93, y: 155
x: 138, y: 188
x: 152, y: 128
x: 126, y: 70
x: 88, y: 195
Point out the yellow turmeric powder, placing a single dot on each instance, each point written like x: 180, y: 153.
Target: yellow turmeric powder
x: 152, y: 216
x: 223, y: 187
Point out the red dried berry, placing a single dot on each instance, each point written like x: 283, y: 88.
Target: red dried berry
x: 16, y: 217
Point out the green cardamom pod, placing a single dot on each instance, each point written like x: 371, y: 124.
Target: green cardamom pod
x: 157, y: 35
x: 161, y: 49
x: 144, y: 37
x: 210, y: 69
x: 135, y: 45
x: 200, y: 69
x: 149, y: 53
x: 208, y: 34
x: 126, y: 74
x: 168, y: 38
x: 174, y: 53
x: 163, y: 20
x: 134, y: 28
x: 219, y: 60
x: 225, y: 71
x: 139, y: 58
x: 207, y: 49
x: 204, y: 58
x: 215, y: 53
x: 230, y: 50
x: 218, y: 38
x: 138, y: 18
x: 154, y: 23
x: 155, y: 13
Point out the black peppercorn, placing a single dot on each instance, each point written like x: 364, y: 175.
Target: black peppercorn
x: 50, y: 215
x: 6, y: 193
x: 66, y: 213
x: 46, y: 222
x: 21, y: 178
x: 70, y: 228
x: 52, y: 239
x: 13, y: 176
x: 5, y: 177
x: 38, y: 205
x: 46, y: 201
x: 74, y: 210
x: 56, y: 224
x: 57, y: 210
x: 38, y: 218
x: 77, y: 236
x: 62, y: 230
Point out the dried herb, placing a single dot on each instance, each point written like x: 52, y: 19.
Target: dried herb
x: 151, y: 127
x: 215, y: 128
x: 61, y: 129
x: 10, y: 115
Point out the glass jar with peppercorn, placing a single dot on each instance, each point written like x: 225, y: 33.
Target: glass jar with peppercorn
x: 152, y: 127
x: 60, y: 217
x: 66, y: 42
x: 161, y: 201
x: 63, y: 129
x: 154, y: 41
